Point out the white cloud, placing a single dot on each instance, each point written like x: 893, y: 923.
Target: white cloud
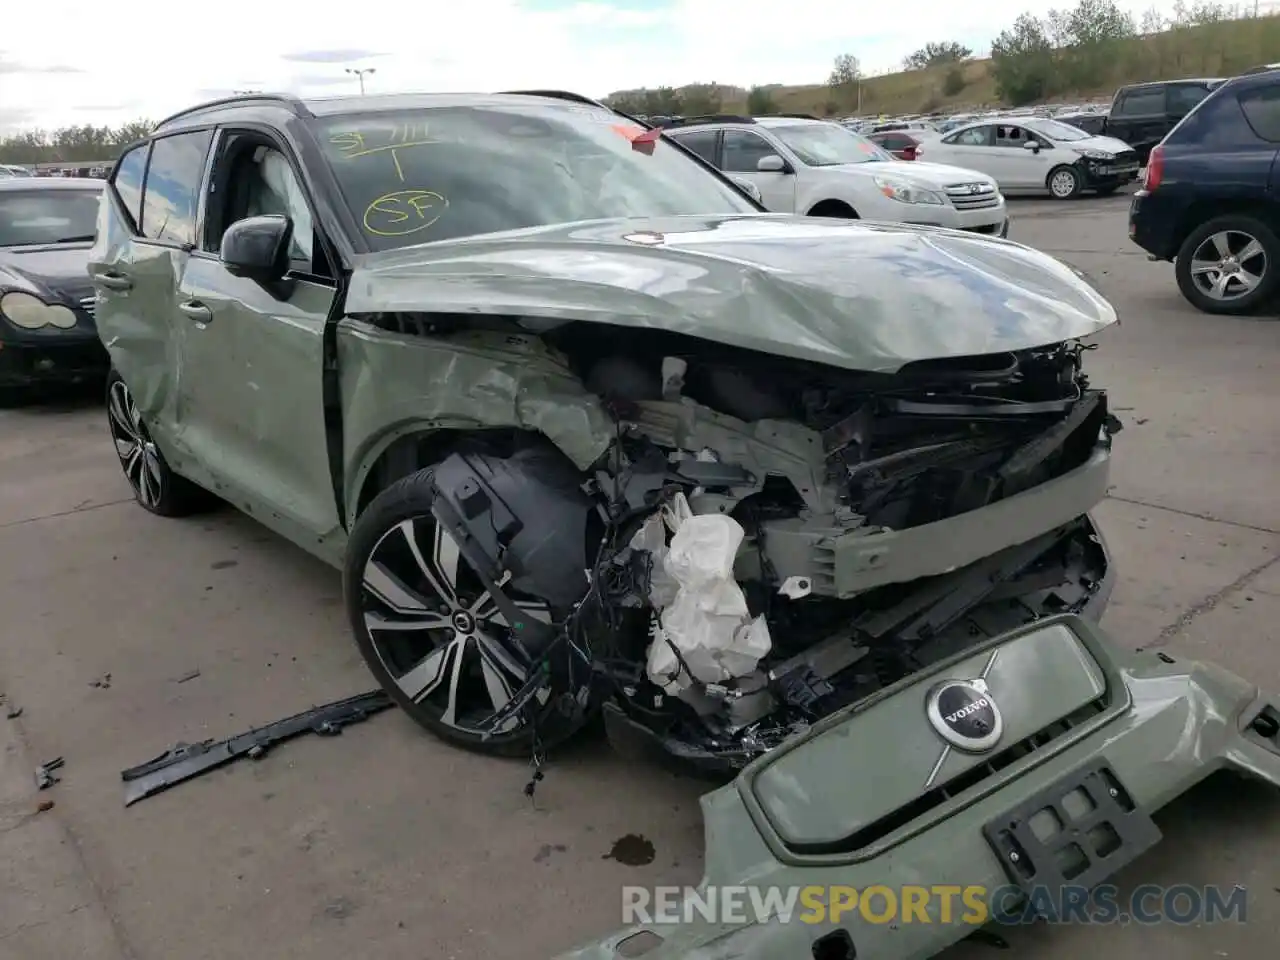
x: 150, y: 58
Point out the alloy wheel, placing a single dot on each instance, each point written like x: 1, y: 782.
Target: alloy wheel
x: 1228, y: 265
x: 135, y: 448
x: 1062, y: 184
x: 437, y: 631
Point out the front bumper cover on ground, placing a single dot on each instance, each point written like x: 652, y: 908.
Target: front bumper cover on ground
x: 799, y: 817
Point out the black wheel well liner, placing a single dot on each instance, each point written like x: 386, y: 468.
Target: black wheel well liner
x: 412, y: 452
x: 830, y: 204
x: 1202, y: 210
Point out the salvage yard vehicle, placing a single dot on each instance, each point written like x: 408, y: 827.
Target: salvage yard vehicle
x: 1208, y: 202
x: 799, y: 501
x: 47, y: 336
x: 1035, y: 154
x: 826, y: 170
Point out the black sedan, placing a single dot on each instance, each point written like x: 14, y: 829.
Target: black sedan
x: 47, y: 333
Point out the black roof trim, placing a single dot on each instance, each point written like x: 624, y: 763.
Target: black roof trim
x: 708, y: 118
x: 796, y: 116
x: 556, y: 95
x: 247, y: 99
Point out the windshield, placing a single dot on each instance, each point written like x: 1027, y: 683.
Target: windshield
x: 828, y: 144
x: 440, y: 173
x: 47, y: 216
x: 1056, y: 130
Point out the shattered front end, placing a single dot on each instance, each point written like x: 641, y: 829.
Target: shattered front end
x: 1031, y: 762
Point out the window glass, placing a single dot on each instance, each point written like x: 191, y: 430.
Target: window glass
x: 439, y: 173
x: 973, y: 137
x: 829, y: 144
x: 701, y: 142
x: 1183, y: 96
x: 1262, y: 110
x: 1010, y: 136
x: 1055, y: 130
x: 173, y: 184
x: 1141, y: 103
x: 47, y: 216
x: 743, y: 151
x: 127, y: 179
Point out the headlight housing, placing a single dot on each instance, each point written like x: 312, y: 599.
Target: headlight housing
x: 29, y: 312
x: 905, y: 192
x: 1096, y: 155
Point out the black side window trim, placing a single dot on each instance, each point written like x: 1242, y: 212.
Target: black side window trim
x: 213, y: 135
x: 121, y: 208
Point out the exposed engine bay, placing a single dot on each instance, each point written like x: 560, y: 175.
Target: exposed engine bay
x: 737, y: 565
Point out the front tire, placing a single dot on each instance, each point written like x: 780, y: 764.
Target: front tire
x: 155, y: 486
x: 1064, y: 183
x: 434, y: 639
x: 1229, y: 265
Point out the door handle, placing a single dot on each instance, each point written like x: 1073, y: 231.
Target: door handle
x: 113, y: 281
x: 196, y: 311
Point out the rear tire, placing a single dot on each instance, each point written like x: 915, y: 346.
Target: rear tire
x: 1229, y: 265
x: 431, y: 638
x: 156, y: 488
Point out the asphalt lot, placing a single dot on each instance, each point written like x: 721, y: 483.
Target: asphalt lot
x: 384, y: 842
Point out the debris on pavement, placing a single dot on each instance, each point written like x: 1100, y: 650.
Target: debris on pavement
x: 185, y: 761
x: 44, y: 774
x: 11, y: 712
x: 44, y: 806
x: 189, y: 675
x: 103, y: 682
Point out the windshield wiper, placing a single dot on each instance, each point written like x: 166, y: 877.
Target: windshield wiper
x: 82, y: 239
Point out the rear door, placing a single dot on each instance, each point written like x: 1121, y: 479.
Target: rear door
x: 251, y: 396
x: 1140, y: 118
x: 972, y: 148
x: 145, y: 228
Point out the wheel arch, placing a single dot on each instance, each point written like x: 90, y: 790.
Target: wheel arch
x: 832, y: 207
x: 411, y: 447
x: 1074, y: 167
x: 1201, y: 210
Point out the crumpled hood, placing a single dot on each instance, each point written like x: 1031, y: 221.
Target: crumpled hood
x: 863, y: 296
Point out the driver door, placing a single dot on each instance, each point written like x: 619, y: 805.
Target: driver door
x: 742, y: 152
x: 250, y: 393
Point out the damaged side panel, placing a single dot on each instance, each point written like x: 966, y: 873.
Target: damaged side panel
x: 394, y: 385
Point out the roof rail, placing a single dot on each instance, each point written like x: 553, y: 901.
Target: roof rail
x: 708, y: 118
x: 556, y: 95
x: 293, y: 103
x: 796, y: 116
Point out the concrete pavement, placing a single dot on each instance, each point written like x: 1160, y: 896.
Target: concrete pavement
x: 385, y: 842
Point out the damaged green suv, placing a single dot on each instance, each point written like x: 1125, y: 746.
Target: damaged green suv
x: 803, y: 502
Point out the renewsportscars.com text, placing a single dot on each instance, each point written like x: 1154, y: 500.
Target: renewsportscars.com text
x: 1182, y: 904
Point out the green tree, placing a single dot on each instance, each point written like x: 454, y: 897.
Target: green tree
x: 936, y: 54
x: 760, y: 101
x: 85, y: 142
x: 845, y: 80
x: 1022, y: 62
x: 701, y: 99
x: 954, y: 82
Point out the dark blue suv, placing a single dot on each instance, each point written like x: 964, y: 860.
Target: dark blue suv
x: 1210, y: 200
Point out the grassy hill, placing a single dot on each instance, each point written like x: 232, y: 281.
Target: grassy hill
x: 1209, y: 50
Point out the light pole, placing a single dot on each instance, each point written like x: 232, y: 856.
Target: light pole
x: 360, y: 72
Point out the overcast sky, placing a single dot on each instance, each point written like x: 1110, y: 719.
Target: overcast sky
x: 69, y: 61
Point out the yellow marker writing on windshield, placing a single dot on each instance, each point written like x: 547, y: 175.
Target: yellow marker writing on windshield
x: 403, y: 212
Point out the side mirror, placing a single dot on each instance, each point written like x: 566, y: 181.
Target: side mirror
x: 746, y: 186
x: 771, y: 164
x: 1032, y: 145
x: 257, y: 248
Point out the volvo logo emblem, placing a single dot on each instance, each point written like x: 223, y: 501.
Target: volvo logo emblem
x: 965, y: 715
